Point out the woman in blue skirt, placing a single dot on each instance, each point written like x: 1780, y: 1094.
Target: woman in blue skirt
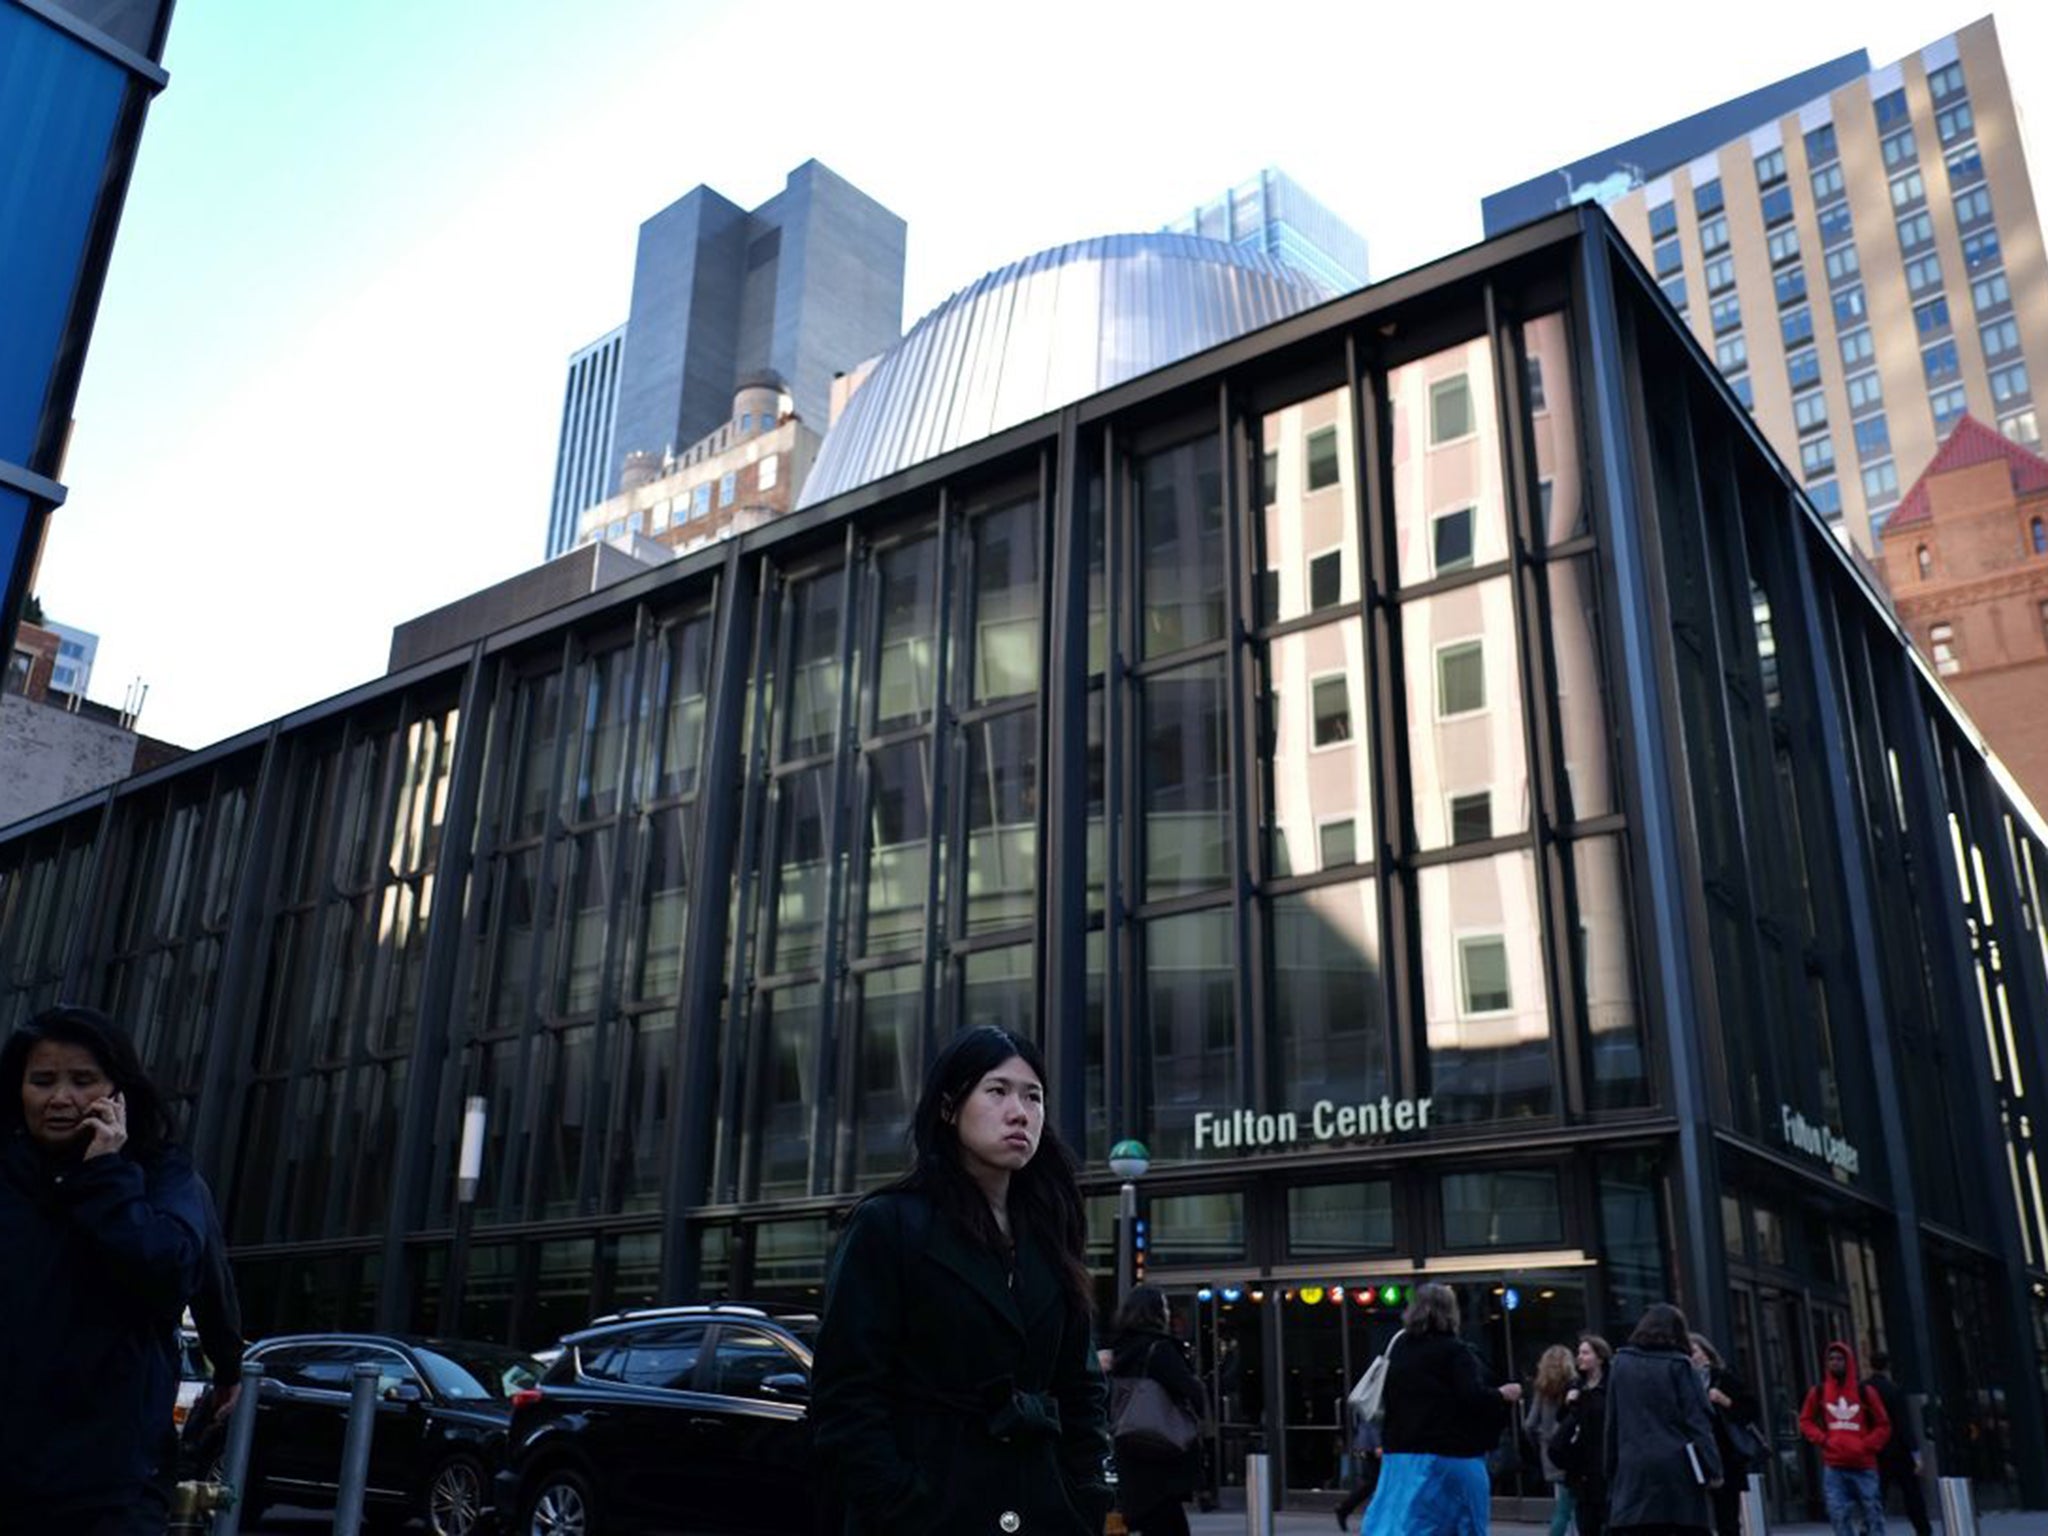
x: 1443, y: 1414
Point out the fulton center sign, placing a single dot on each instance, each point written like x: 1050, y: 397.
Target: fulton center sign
x: 1238, y: 1130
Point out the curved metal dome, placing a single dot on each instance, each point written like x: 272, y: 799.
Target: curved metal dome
x: 1044, y: 332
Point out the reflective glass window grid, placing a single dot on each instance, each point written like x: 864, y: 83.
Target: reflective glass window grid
x: 1941, y: 363
x: 1849, y: 306
x: 1856, y: 347
x: 1725, y: 315
x: 1817, y: 457
x: 1916, y: 232
x: 1956, y: 122
x: 1923, y: 274
x: 1865, y: 392
x: 2009, y: 386
x: 1783, y: 245
x: 1714, y: 234
x: 1899, y: 150
x: 1827, y: 184
x: 1931, y: 318
x: 2000, y: 338
x: 1810, y: 411
x: 1842, y: 265
x: 1947, y: 404
x: 1770, y: 167
x: 1908, y: 191
x: 1670, y: 256
x: 1796, y: 326
x: 1791, y: 285
x: 1663, y: 220
x: 1821, y: 147
x: 1803, y: 368
x: 1965, y: 166
x: 1873, y: 438
x: 1891, y: 109
x: 1706, y: 197
x: 1973, y: 208
x: 1990, y: 294
x: 1880, y: 483
x: 1720, y: 274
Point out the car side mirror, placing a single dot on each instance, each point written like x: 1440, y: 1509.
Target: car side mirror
x: 404, y: 1392
x: 794, y: 1385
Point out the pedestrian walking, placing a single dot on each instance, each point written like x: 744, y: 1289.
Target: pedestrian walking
x: 1736, y: 1411
x: 1153, y: 1484
x: 103, y: 1224
x: 1898, y: 1464
x: 1662, y: 1463
x: 1443, y: 1414
x: 1541, y: 1410
x: 1848, y: 1422
x: 955, y: 1387
x: 1578, y: 1445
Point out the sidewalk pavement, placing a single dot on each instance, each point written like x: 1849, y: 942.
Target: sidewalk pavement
x: 1302, y: 1522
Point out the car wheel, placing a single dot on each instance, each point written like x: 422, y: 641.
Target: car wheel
x: 560, y: 1505
x: 455, y: 1497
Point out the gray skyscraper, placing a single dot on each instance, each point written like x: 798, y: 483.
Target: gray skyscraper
x: 807, y: 284
x: 584, y: 465
x: 1272, y: 215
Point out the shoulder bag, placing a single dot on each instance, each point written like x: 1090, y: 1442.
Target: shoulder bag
x: 1144, y: 1418
x: 1368, y: 1398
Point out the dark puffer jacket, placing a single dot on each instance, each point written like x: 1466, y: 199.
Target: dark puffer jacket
x: 100, y: 1257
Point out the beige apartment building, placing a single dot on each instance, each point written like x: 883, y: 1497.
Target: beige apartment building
x: 1864, y: 270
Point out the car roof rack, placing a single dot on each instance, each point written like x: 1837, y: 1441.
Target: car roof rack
x: 769, y: 1311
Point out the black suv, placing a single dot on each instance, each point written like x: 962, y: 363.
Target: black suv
x: 440, y: 1435
x: 672, y: 1419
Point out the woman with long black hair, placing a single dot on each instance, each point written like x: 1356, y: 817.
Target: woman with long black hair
x: 102, y: 1226
x: 956, y: 1387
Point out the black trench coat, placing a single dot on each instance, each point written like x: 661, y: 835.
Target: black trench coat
x: 950, y: 1395
x: 1656, y: 1408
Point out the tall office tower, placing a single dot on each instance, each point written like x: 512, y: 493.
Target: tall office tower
x: 75, y: 82
x: 1272, y: 215
x: 1864, y: 268
x: 802, y: 287
x: 583, y: 457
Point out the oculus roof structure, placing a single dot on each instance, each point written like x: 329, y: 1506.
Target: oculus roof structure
x: 1044, y: 332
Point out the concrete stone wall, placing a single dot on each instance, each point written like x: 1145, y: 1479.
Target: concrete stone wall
x: 49, y: 755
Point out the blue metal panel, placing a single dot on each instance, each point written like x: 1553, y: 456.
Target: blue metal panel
x: 59, y: 102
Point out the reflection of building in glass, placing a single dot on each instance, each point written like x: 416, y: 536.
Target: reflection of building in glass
x: 1273, y: 215
x: 1419, y: 766
x: 1860, y: 253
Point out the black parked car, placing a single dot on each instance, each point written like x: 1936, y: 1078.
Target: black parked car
x: 674, y: 1419
x: 442, y: 1410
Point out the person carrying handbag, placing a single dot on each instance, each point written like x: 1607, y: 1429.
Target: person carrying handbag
x: 1155, y: 1477
x: 1736, y: 1436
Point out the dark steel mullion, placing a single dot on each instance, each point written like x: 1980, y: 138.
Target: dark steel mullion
x: 720, y: 1020
x: 1542, y: 768
x: 1239, y: 682
x: 838, y: 836
x: 1062, y: 863
x: 1393, y: 841
x: 952, y: 538
x: 434, y: 1050
x: 78, y: 948
x: 832, y: 1134
x: 1666, y: 895
x: 1921, y: 778
x: 1123, y: 807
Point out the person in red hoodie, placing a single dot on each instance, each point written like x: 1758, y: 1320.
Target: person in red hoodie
x: 1848, y: 1422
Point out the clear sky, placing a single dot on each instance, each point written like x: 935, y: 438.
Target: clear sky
x: 363, y: 239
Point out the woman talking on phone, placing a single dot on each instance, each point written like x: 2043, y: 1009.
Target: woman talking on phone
x: 102, y: 1225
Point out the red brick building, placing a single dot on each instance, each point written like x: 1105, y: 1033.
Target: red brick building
x: 1966, y: 559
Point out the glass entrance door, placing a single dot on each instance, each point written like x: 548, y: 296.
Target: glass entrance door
x: 1773, y: 1347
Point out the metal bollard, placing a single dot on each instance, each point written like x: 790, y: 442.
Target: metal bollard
x: 355, y: 1450
x: 234, y: 1467
x: 1756, y: 1520
x: 1958, y: 1507
x: 1258, y: 1494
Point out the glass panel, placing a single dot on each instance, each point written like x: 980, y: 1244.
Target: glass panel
x: 663, y: 904
x: 1580, y: 686
x: 586, y: 896
x: 891, y: 1067
x: 789, y: 1261
x: 1187, y: 781
x: 1329, y: 1015
x: 1181, y: 546
x: 789, y: 1087
x: 567, y: 1059
x: 1446, y: 457
x: 1608, y: 975
x: 1631, y: 1235
x: 562, y: 1299
x: 601, y: 746
x: 1482, y: 973
x: 814, y: 666
x: 802, y: 802
x: 1098, y: 577
x: 907, y: 688
x: 511, y: 992
x: 1465, y: 708
x: 684, y: 681
x: 1097, y: 1050
x: 1191, y: 1019
x: 540, y: 716
x: 899, y: 844
x: 1316, y: 775
x: 1338, y: 1219
x: 1309, y: 522
x: 1006, y: 602
x: 640, y: 1138
x: 998, y: 989
x: 1504, y: 1208
x: 1196, y: 1229
x: 1098, y: 779
x: 1002, y: 821
x: 1554, y: 430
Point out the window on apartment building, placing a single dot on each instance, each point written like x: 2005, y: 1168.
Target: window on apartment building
x: 1663, y: 220
x: 1973, y: 208
x: 1803, y: 368
x: 1836, y: 225
x: 1850, y: 307
x: 1891, y: 111
x: 1965, y: 166
x: 1820, y: 144
x: 1532, y: 384
x: 1941, y: 642
x: 1991, y: 293
x: 1451, y: 541
x: 1880, y: 483
x: 1956, y: 122
x: 2037, y: 533
x: 1674, y: 290
x: 1948, y: 404
x: 1946, y: 81
x: 1777, y: 206
x: 1783, y: 245
x: 1924, y: 558
x: 1732, y: 353
x: 1322, y: 458
x: 1857, y: 347
x: 700, y: 501
x: 1706, y: 197
x: 1827, y: 184
x: 1770, y: 167
x: 1796, y: 326
x: 1916, y: 231
x: 1873, y: 438
x: 2022, y: 427
x: 1326, y: 580
x: 2010, y: 385
x: 1923, y: 274
x: 1826, y: 497
x: 1460, y: 679
x: 1720, y: 274
x: 1865, y: 393
x: 1472, y: 817
x: 1817, y: 457
x: 1791, y: 285
x: 1669, y: 256
x: 1714, y: 234
x: 1999, y: 338
x: 1931, y: 319
x: 1450, y: 410
x: 1909, y: 190
x: 728, y: 487
x: 767, y: 472
x: 1899, y: 149
x: 1980, y: 250
x: 1744, y: 390
x: 1810, y: 411
x: 1330, y: 700
x: 1842, y: 264
x: 1941, y: 363
x: 1726, y: 315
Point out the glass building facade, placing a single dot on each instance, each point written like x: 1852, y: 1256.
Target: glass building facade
x: 1423, y: 767
x: 76, y: 77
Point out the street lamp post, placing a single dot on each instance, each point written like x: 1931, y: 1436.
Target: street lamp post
x: 1128, y: 1160
x: 469, y: 1167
